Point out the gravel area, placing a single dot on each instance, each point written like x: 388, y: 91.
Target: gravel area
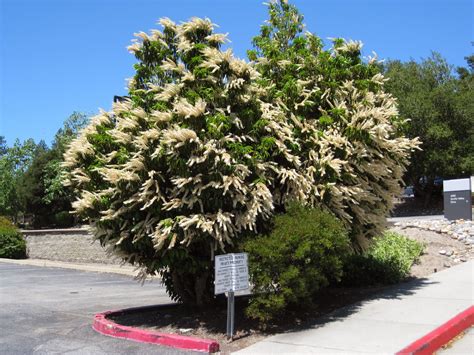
x: 461, y: 230
x: 447, y: 243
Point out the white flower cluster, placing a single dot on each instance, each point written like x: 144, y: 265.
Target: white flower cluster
x: 354, y: 165
x: 159, y: 173
x: 188, y: 166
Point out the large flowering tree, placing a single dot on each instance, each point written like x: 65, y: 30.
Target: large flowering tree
x: 207, y: 147
x: 184, y: 165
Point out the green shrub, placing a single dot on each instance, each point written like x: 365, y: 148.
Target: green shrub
x: 12, y: 244
x: 303, y: 252
x: 387, y: 261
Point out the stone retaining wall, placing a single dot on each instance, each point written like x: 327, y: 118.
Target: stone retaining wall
x: 73, y: 245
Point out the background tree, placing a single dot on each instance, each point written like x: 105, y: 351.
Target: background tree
x: 440, y: 109
x: 30, y: 187
x: 46, y: 199
x: 55, y: 192
x: 31, y: 176
x: 3, y: 146
x: 13, y: 164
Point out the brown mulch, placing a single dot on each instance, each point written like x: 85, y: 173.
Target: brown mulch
x: 461, y: 335
x: 211, y: 323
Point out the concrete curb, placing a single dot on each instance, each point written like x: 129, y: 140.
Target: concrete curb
x: 107, y: 327
x: 55, y: 231
x: 441, y: 335
x: 103, y: 268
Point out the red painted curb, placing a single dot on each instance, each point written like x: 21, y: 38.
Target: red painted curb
x: 441, y: 335
x: 107, y: 327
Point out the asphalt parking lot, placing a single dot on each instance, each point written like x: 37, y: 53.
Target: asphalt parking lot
x: 50, y: 310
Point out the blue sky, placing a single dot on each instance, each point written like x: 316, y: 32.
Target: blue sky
x: 60, y: 56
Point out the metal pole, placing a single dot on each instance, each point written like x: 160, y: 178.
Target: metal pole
x: 230, y: 314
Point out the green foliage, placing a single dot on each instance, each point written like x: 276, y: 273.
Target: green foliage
x: 387, y: 261
x: 31, y: 187
x: 31, y: 176
x: 3, y: 146
x: 12, y: 244
x: 6, y: 223
x: 55, y: 193
x: 303, y: 252
x: 214, y: 145
x: 346, y: 134
x: 63, y: 219
x: 440, y: 107
x: 177, y: 172
x: 14, y: 162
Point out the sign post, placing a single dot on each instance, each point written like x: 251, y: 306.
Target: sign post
x: 231, y: 274
x: 230, y: 314
x: 457, y: 199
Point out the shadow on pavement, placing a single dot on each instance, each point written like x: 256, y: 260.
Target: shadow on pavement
x: 385, y: 293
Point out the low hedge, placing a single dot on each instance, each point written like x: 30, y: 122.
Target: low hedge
x: 12, y: 243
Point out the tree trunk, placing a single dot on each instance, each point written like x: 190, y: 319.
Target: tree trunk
x: 201, y: 287
x: 428, y: 192
x: 193, y: 290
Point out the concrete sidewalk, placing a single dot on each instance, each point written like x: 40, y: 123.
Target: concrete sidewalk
x: 384, y: 324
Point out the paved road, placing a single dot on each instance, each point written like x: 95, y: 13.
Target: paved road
x: 50, y: 310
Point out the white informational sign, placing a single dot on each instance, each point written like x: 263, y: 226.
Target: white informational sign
x: 231, y: 273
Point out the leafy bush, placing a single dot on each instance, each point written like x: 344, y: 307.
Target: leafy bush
x: 387, y: 261
x: 303, y: 252
x: 12, y: 244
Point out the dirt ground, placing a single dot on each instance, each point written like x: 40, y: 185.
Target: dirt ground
x: 211, y: 324
x: 432, y: 260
